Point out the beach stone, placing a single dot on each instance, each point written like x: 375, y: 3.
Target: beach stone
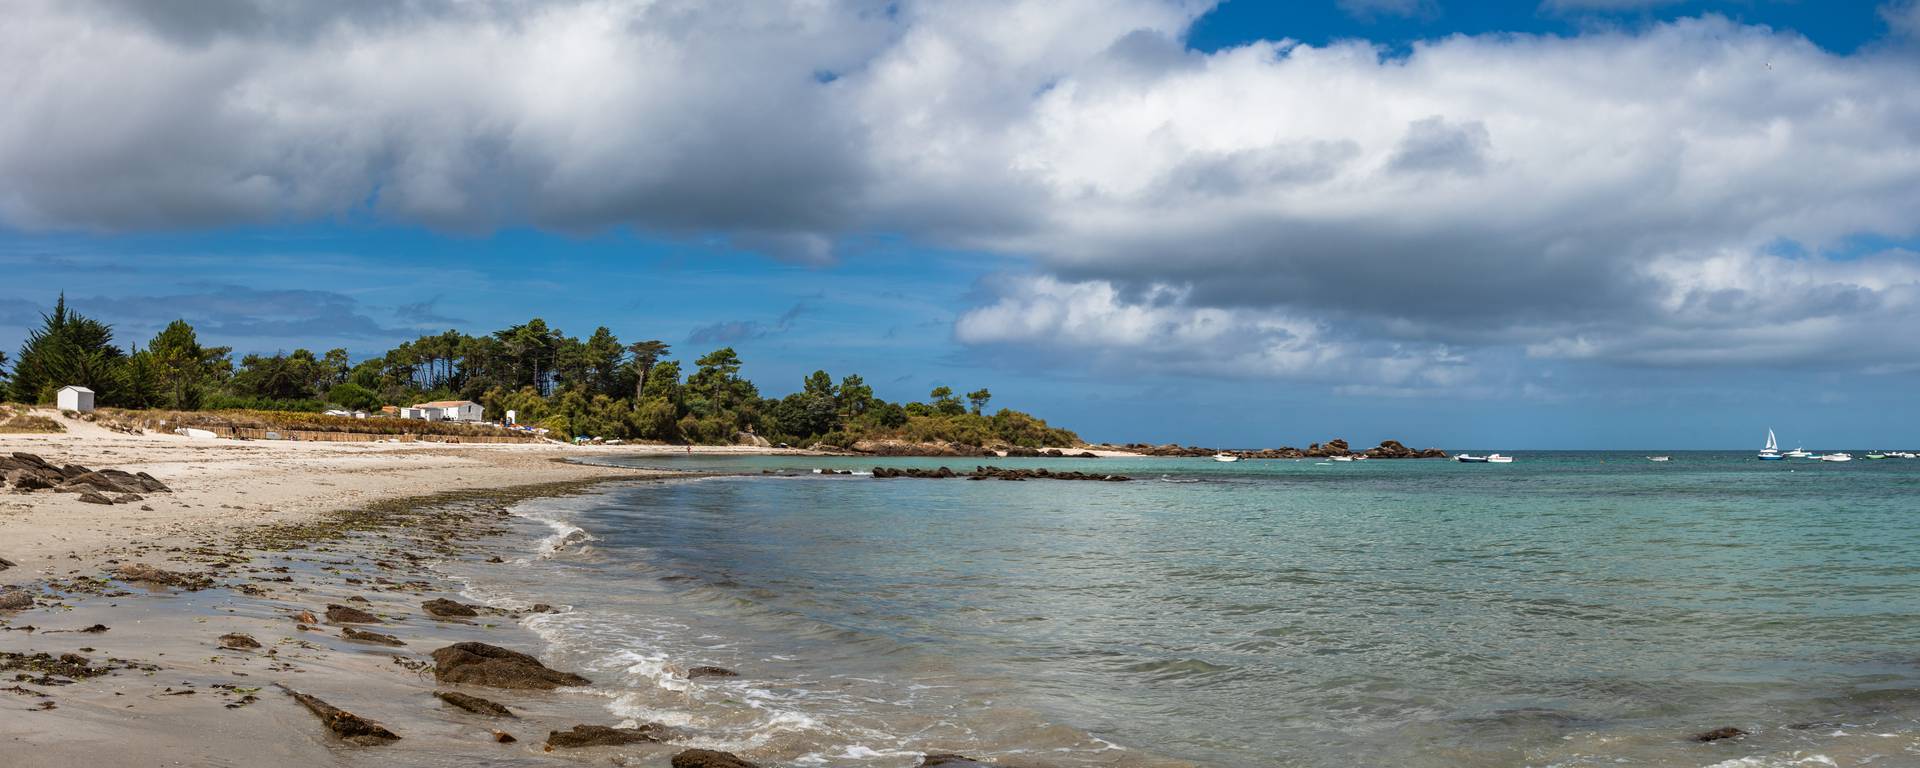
x: 541, y: 608
x: 491, y: 665
x: 72, y: 471
x: 370, y: 637
x: 503, y: 737
x: 94, y: 497
x: 707, y: 758
x: 143, y: 573
x: 347, y: 725
x: 15, y: 599
x: 444, y: 608
x: 699, y: 672
x: 33, y: 479
x: 5, y: 563
x: 474, y: 704
x: 346, y: 614
x: 938, y: 759
x: 127, y: 498
x: 150, y: 484
x: 238, y: 641
x: 1719, y: 733
x: 604, y: 736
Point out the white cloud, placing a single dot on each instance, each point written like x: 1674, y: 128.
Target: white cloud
x: 1342, y: 212
x: 1903, y: 17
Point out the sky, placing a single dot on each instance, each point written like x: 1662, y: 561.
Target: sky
x: 1492, y: 225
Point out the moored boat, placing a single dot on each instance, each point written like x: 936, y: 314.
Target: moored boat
x: 1659, y: 458
x: 1837, y: 457
x: 1470, y: 459
x: 1494, y: 458
x: 1772, y: 451
x: 1225, y: 457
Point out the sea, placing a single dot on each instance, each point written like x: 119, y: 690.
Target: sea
x: 1569, y: 609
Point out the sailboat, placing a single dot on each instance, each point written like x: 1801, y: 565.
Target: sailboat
x: 1225, y: 457
x: 1772, y: 451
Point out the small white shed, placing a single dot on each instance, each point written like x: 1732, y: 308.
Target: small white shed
x: 74, y: 398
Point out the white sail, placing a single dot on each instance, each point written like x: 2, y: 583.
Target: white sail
x: 1772, y: 445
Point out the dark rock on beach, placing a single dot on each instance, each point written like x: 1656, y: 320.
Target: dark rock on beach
x: 93, y: 497
x: 604, y: 736
x: 1718, y: 734
x: 445, y: 608
x: 474, y: 704
x: 15, y: 600
x: 147, y: 574
x: 707, y: 758
x: 939, y: 759
x: 363, y: 636
x: 347, y: 725
x: 699, y: 672
x: 5, y: 563
x: 346, y: 614
x: 238, y: 641
x: 490, y: 665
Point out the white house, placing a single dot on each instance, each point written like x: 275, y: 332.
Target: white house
x: 444, y: 410
x: 73, y: 398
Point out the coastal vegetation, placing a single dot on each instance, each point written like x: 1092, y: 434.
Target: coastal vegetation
x: 599, y: 386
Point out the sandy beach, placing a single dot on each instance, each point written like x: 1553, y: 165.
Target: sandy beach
x: 268, y: 535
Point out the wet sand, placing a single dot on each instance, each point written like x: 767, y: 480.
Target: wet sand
x: 276, y: 532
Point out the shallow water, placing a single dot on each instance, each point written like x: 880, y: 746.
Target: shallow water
x: 1571, y: 609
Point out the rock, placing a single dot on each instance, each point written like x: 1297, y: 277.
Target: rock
x: 749, y: 438
x: 28, y: 460
x: 127, y: 498
x: 474, y: 704
x: 603, y: 736
x: 346, y: 614
x: 707, y: 758
x: 503, y: 737
x: 143, y: 573
x: 5, y: 563
x: 937, y: 759
x: 238, y: 641
x: 446, y: 608
x: 1719, y: 733
x: 490, y: 665
x: 94, y: 497
x: 495, y: 559
x: 106, y: 480
x: 699, y: 672
x: 347, y: 725
x: 364, y: 636
x: 15, y: 600
x: 541, y: 608
x: 33, y: 479
x: 72, y: 471
x: 150, y: 484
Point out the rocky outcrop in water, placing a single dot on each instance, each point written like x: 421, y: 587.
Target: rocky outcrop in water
x: 604, y: 736
x: 994, y: 473
x: 1718, y: 734
x: 363, y: 636
x: 346, y: 614
x: 707, y: 758
x: 444, y: 608
x: 347, y: 725
x: 1388, y: 449
x: 474, y: 704
x: 700, y: 672
x: 15, y: 600
x: 146, y: 574
x: 491, y: 665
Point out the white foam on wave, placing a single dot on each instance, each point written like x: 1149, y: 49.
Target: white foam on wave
x: 1768, y: 761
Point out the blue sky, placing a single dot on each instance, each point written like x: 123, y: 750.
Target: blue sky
x: 1572, y: 224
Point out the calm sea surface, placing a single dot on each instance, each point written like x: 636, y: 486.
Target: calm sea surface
x: 1571, y: 609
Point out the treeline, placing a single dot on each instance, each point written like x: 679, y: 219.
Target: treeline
x: 598, y: 387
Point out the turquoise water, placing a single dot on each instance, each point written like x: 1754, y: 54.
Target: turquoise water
x: 1570, y: 609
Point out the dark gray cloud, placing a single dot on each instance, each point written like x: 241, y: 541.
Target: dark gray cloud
x: 426, y: 313
x: 249, y: 319
x: 736, y: 331
x: 1433, y: 144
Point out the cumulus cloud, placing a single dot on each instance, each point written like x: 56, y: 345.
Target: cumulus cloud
x: 1340, y: 211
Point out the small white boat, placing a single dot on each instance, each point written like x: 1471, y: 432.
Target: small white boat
x: 1837, y: 457
x: 1797, y: 453
x: 1341, y: 458
x: 1772, y: 451
x: 1465, y: 458
x: 1659, y: 458
x: 1225, y: 457
x: 1494, y: 458
x: 1358, y: 457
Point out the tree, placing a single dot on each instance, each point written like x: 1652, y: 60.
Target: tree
x: 944, y: 403
x: 68, y: 349
x: 646, y: 354
x: 855, y: 397
x: 979, y: 398
x: 181, y: 368
x: 354, y: 396
x: 3, y: 372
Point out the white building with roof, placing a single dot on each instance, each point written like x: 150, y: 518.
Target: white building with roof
x: 445, y: 410
x: 73, y: 398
